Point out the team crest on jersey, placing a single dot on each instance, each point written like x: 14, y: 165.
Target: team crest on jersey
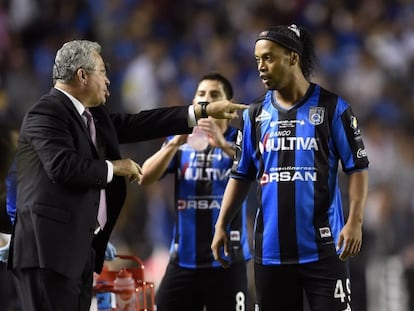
x: 264, y: 115
x: 316, y: 115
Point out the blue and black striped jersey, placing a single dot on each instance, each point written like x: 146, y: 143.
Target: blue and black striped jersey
x: 200, y: 180
x: 294, y: 156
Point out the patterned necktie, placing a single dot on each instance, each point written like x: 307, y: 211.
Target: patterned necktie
x: 102, y: 200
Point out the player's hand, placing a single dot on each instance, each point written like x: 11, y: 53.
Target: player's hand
x: 220, y: 241
x: 178, y: 140
x: 215, y: 136
x: 350, y: 241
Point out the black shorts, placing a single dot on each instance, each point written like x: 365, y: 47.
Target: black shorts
x: 218, y: 289
x: 325, y: 283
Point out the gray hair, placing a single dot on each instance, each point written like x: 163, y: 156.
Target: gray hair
x: 72, y: 56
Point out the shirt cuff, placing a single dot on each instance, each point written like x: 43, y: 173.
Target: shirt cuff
x: 110, y: 171
x: 191, y: 119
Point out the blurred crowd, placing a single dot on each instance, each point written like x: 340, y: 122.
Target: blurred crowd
x: 158, y: 49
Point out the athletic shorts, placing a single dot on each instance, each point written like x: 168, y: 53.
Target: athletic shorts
x: 218, y: 289
x: 325, y: 283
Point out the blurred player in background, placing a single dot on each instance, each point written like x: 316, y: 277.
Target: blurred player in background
x: 193, y: 279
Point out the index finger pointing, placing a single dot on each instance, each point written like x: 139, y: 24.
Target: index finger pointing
x: 239, y: 106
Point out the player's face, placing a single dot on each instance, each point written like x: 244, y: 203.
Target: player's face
x: 273, y: 64
x: 209, y: 91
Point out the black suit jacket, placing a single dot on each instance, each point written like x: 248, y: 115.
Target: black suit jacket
x: 60, y: 174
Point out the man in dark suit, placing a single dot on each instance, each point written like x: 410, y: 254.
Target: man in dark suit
x: 67, y: 166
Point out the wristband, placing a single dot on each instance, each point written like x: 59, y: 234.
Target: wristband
x: 203, y: 109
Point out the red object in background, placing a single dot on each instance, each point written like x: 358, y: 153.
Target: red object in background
x: 144, y: 291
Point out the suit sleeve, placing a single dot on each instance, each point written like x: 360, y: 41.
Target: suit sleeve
x: 151, y: 124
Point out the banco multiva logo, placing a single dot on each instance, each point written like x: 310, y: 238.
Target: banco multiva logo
x: 270, y: 144
x: 204, y: 174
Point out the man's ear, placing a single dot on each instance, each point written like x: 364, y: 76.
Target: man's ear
x: 81, y: 74
x: 294, y: 57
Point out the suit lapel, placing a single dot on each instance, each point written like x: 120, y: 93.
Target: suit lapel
x: 76, y: 116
